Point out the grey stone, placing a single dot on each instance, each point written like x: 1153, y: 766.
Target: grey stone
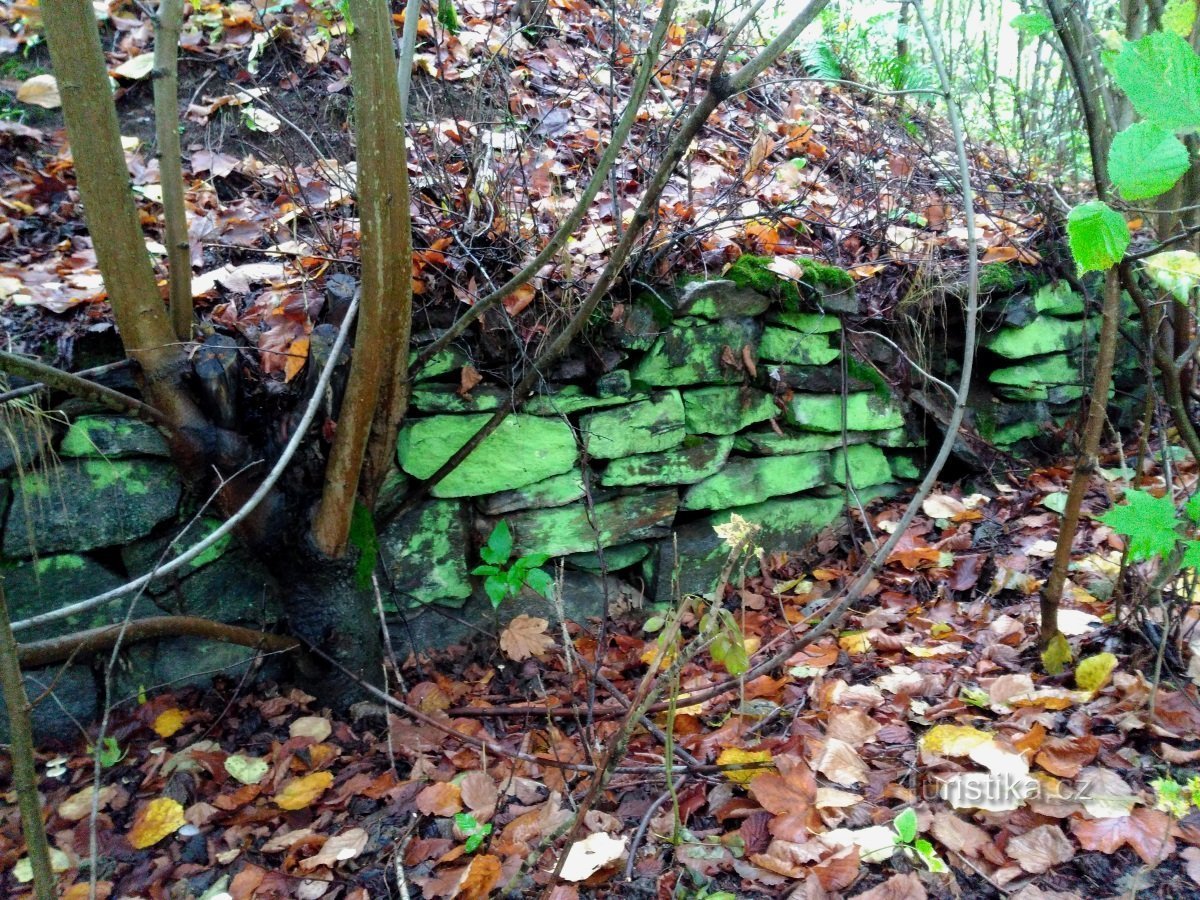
x: 426, y: 552
x: 570, y: 529
x: 74, y: 698
x: 112, y: 436
x: 51, y: 582
x: 719, y: 299
x: 558, y: 490
x: 646, y: 427
x: 696, y: 352
x: 695, y: 460
x: 23, y: 438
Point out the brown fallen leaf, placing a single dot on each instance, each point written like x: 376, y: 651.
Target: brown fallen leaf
x: 442, y: 798
x: 1146, y: 831
x: 1041, y: 849
x: 525, y: 637
x: 906, y: 886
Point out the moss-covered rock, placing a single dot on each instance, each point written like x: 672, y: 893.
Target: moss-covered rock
x: 827, y: 287
x: 818, y: 379
x: 112, y: 436
x: 442, y: 363
x: 719, y: 298
x: 37, y: 586
x: 752, y: 479
x: 996, y: 278
x: 615, y: 558
x: 83, y: 504
x: 867, y: 466
x: 784, y: 345
x: 1033, y: 378
x: 863, y: 412
x: 426, y: 552
x: 445, y: 398
x: 558, y: 490
x: 1058, y: 299
x: 770, y: 443
x: 646, y: 427
x: 693, y: 461
x: 693, y: 353
x: 807, y: 322
x: 569, y: 529
x: 725, y: 410
x: 1042, y: 336
x: 571, y: 398
x: 523, y: 450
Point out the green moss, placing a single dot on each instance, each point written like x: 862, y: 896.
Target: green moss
x: 996, y: 278
x: 754, y: 272
x: 863, y: 372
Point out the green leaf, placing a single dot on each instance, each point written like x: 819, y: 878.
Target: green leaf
x: 533, y: 560
x: 1149, y: 522
x: 1146, y: 160
x: 906, y: 825
x: 933, y: 862
x: 1033, y: 23
x: 1193, y: 508
x: 496, y: 587
x: 486, y: 570
x: 1098, y: 235
x: 1191, y: 555
x: 1177, y: 271
x: 1179, y: 16
x: 540, y: 581
x: 110, y: 753
x: 1057, y: 655
x: 448, y: 16
x: 246, y: 769
x: 653, y: 624
x: 364, y: 539
x: 499, y: 545
x: 1161, y: 75
x: 1168, y: 796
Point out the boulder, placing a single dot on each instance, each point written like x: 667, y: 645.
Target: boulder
x: 785, y: 345
x: 36, y: 586
x: 615, y: 558
x: 1043, y: 335
x: 87, y: 503
x: 523, y: 450
x: 693, y: 352
x: 113, y: 437
x: 719, y: 298
x: 867, y: 465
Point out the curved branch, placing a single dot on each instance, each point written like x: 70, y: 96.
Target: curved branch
x: 80, y: 387
x: 56, y: 650
x: 233, y: 521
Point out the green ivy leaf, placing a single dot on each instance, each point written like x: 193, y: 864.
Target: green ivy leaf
x: 1149, y: 522
x: 1033, y: 23
x: 540, y: 581
x: 1098, y: 236
x: 906, y: 825
x: 1193, y: 508
x: 496, y: 587
x: 1161, y: 75
x: 499, y: 545
x: 1146, y: 160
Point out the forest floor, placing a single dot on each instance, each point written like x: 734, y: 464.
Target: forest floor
x: 803, y: 780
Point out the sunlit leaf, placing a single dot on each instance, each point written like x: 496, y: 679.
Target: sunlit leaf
x: 156, y: 820
x: 1098, y: 236
x: 168, y: 722
x: 301, y: 792
x: 1093, y: 673
x: 1057, y: 655
x: 1160, y: 73
x: 1146, y: 160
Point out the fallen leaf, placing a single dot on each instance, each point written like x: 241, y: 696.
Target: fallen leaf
x: 339, y: 848
x: 1041, y: 849
x: 442, y: 798
x: 316, y: 727
x: 525, y: 637
x: 156, y: 820
x: 1146, y: 831
x: 905, y: 886
x: 136, y: 67
x: 840, y: 763
x: 40, y: 90
x: 301, y: 792
x: 733, y: 755
x: 587, y: 857
x: 169, y: 721
x: 246, y: 769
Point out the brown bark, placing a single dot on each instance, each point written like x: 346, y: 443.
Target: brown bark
x: 167, y: 25
x: 25, y: 777
x: 103, y: 180
x: 377, y: 394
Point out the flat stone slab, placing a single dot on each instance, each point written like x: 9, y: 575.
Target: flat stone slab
x: 695, y: 352
x: 571, y: 399
x: 426, y: 552
x: 645, y: 427
x: 1043, y: 335
x: 615, y: 558
x: 558, y: 490
x: 864, y: 412
x: 747, y: 480
x: 694, y: 461
x: 816, y: 379
x: 867, y: 466
x: 445, y: 398
x: 719, y: 298
x: 768, y: 443
x: 523, y: 450
x: 566, y: 530
x: 1058, y: 299
x: 725, y: 410
x: 87, y: 503
x: 1034, y: 377
x: 807, y: 322
x: 785, y: 345
x: 112, y: 436
x: 36, y: 586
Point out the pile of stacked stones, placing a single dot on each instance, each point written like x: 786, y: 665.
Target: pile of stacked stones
x: 734, y: 396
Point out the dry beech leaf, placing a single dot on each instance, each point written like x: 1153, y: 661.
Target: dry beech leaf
x: 1041, y: 849
x: 40, y: 90
x: 79, y: 805
x: 479, y: 794
x: 469, y: 379
x: 156, y: 820
x: 840, y: 763
x: 525, y: 637
x: 442, y: 798
x: 905, y: 886
x: 339, y: 848
x: 301, y: 792
x: 136, y: 67
x: 736, y: 755
x: 587, y: 857
x: 1146, y: 831
x: 316, y: 727
x: 957, y: 834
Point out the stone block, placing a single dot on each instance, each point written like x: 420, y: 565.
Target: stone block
x: 748, y: 480
x: 863, y: 412
x: 558, y: 490
x: 691, y: 352
x: 694, y: 461
x: 725, y: 410
x: 785, y: 345
x: 645, y: 427
x: 568, y: 529
x: 426, y: 550
x: 113, y: 437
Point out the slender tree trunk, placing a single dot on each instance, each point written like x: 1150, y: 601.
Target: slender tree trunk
x: 112, y: 218
x: 25, y: 778
x: 377, y: 394
x: 167, y: 25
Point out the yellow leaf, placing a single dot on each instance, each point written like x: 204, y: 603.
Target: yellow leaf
x: 169, y: 721
x: 136, y: 67
x: 731, y: 755
x: 1093, y: 673
x: 300, y: 792
x: 1057, y: 655
x: 157, y: 819
x: 856, y: 644
x: 40, y: 90
x: 953, y: 740
x: 297, y: 356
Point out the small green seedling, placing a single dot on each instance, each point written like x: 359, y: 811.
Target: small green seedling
x: 473, y: 830
x: 110, y: 752
x: 1177, y: 799
x: 502, y: 580
x: 905, y: 826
